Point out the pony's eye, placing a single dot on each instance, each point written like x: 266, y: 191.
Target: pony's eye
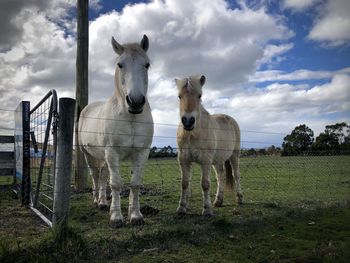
x: 120, y: 65
x: 180, y: 97
x: 199, y: 96
x: 147, y: 65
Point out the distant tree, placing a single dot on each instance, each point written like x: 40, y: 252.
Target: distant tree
x: 153, y: 152
x: 299, y: 141
x: 273, y: 150
x: 262, y: 151
x: 335, y: 138
x: 251, y: 152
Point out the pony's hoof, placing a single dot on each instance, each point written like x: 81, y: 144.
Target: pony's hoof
x: 207, y: 213
x: 116, y: 223
x: 218, y: 202
x: 137, y: 221
x: 181, y: 211
x: 103, y: 207
x: 240, y: 199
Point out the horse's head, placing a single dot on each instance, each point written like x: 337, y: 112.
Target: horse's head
x: 190, y: 93
x: 132, y: 73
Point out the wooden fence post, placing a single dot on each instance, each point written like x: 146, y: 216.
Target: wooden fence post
x: 82, y: 92
x: 63, y: 160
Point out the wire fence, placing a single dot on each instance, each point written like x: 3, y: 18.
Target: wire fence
x: 311, y: 179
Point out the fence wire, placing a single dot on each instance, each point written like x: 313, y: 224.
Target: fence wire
x: 315, y: 178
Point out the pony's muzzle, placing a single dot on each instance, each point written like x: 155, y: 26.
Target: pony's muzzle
x: 188, y: 122
x: 135, y: 104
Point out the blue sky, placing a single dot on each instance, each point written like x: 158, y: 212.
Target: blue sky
x: 270, y: 64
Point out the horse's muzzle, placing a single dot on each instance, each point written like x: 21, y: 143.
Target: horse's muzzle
x: 135, y: 105
x: 188, y: 123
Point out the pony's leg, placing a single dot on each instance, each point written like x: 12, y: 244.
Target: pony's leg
x: 207, y: 208
x: 115, y: 181
x: 135, y: 215
x: 237, y: 176
x: 95, y: 174
x: 102, y: 199
x: 185, y: 181
x: 220, y: 177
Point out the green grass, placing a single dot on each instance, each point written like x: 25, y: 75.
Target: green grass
x: 296, y: 209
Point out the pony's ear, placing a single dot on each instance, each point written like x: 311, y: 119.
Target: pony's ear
x: 176, y: 81
x: 144, y: 43
x: 202, y: 80
x: 117, y: 47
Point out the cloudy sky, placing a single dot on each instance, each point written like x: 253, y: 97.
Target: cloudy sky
x: 270, y: 64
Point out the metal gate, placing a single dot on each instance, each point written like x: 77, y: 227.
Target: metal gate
x: 43, y: 140
x: 43, y: 145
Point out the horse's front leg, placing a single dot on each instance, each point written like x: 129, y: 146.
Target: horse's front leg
x: 185, y: 181
x: 102, y: 198
x: 116, y: 183
x: 207, y: 208
x: 139, y: 160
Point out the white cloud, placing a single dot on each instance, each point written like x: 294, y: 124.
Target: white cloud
x: 272, y: 53
x: 298, y: 5
x: 186, y: 37
x: 301, y: 74
x: 332, y: 28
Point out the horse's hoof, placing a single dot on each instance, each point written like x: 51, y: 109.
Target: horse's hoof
x: 103, y: 207
x: 137, y: 221
x: 116, y: 223
x: 207, y: 213
x: 181, y: 211
x: 218, y: 202
x: 240, y: 199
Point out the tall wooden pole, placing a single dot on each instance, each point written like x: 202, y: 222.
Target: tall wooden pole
x: 81, y: 87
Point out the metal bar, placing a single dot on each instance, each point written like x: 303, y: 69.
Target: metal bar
x: 48, y: 185
x: 47, y: 196
x: 51, y: 92
x: 45, y: 206
x: 38, y: 213
x: 43, y: 156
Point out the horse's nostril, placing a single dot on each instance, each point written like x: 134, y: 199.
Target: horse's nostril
x: 183, y: 119
x: 143, y: 101
x: 128, y: 100
x: 192, y: 120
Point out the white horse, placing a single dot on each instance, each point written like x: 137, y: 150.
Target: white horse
x: 208, y: 140
x: 120, y: 129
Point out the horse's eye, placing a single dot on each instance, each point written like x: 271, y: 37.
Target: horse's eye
x: 147, y: 65
x: 199, y: 96
x: 180, y: 97
x: 120, y: 65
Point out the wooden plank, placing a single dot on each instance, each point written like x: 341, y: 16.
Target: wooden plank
x: 7, y: 139
x: 6, y: 171
x: 7, y: 164
x: 5, y: 156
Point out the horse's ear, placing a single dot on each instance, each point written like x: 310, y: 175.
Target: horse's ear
x: 144, y: 43
x: 117, y: 47
x: 202, y: 80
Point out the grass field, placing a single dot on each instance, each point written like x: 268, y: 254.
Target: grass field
x: 296, y: 209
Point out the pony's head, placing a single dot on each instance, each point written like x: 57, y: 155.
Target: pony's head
x: 132, y: 73
x: 190, y: 93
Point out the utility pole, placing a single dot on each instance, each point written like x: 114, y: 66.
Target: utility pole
x: 82, y: 91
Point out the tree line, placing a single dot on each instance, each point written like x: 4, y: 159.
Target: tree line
x: 334, y: 140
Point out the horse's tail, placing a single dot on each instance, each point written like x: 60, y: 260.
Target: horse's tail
x: 229, y: 176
